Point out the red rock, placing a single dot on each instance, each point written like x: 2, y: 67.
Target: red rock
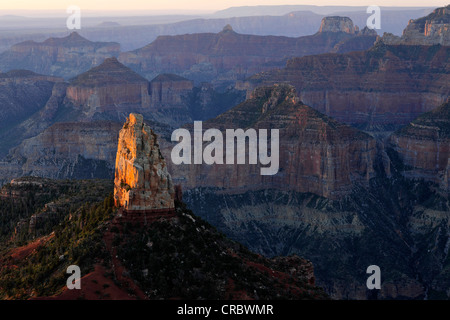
x: 384, y: 87
x: 424, y: 147
x: 142, y: 182
x: 317, y: 154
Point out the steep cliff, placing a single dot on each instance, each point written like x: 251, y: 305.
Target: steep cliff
x: 63, y: 57
x: 338, y: 24
x: 226, y: 56
x: 317, y: 154
x: 65, y: 150
x: 169, y: 97
x: 142, y: 182
x: 424, y: 147
x: 108, y: 88
x: 379, y: 89
x: 429, y: 30
x: 22, y: 93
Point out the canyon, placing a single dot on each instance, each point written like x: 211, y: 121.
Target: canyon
x: 364, y: 148
x: 317, y: 154
x: 430, y: 30
x: 227, y: 56
x: 380, y: 89
x: 63, y: 57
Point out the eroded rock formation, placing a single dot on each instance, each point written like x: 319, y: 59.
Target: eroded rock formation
x: 424, y: 147
x: 142, y: 182
x: 338, y: 24
x: 429, y: 30
x: 64, y: 57
x: 227, y: 56
x: 379, y: 89
x: 317, y: 153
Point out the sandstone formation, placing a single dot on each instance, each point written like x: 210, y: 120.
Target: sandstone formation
x: 424, y: 147
x: 379, y: 89
x: 63, y: 57
x: 109, y: 87
x: 338, y: 24
x: 429, y: 30
x: 169, y: 97
x: 317, y: 154
x: 78, y: 150
x: 366, y: 38
x: 142, y: 182
x: 226, y: 56
x: 22, y: 93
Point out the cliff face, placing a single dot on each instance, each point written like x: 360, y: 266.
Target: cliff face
x: 109, y: 87
x: 338, y: 24
x: 226, y: 56
x: 22, y: 93
x: 424, y: 147
x: 142, y: 182
x: 382, y: 88
x: 65, y: 150
x: 429, y: 30
x: 63, y: 57
x: 170, y: 99
x: 317, y: 154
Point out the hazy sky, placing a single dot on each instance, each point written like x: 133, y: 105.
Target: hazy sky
x: 108, y: 5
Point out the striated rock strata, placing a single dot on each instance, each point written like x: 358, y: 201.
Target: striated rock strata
x: 110, y: 87
x: 227, y: 56
x: 169, y: 98
x: 382, y: 88
x: 63, y: 57
x: 424, y: 146
x: 142, y: 182
x: 317, y: 154
x: 429, y: 30
x: 77, y: 150
x: 338, y: 24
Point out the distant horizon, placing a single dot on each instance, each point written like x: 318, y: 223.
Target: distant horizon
x: 181, y: 7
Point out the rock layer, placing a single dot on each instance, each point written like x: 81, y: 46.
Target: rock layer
x: 429, y: 30
x: 227, y: 56
x: 424, y: 147
x: 338, y: 24
x: 77, y: 150
x: 142, y: 182
x: 317, y: 154
x: 63, y: 57
x: 382, y: 88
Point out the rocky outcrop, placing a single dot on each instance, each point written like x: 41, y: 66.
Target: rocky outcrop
x: 169, y: 90
x: 365, y: 39
x: 169, y: 98
x: 110, y: 87
x: 338, y: 24
x: 429, y: 30
x: 63, y: 57
x: 317, y: 154
x: 22, y: 93
x: 142, y: 182
x: 77, y: 150
x: 424, y: 147
x: 379, y: 89
x: 226, y: 56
